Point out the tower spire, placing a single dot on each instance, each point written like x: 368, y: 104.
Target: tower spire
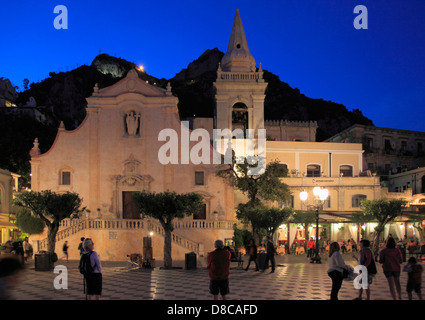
x: 238, y: 58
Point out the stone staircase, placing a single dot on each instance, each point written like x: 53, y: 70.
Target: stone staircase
x: 72, y: 227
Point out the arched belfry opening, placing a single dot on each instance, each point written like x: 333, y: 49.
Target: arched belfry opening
x: 240, y: 117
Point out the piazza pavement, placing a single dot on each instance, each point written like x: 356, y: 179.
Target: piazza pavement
x: 295, y: 278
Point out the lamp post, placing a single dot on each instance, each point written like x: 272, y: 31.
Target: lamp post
x: 320, y: 195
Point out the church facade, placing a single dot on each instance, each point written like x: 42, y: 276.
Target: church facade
x: 115, y: 152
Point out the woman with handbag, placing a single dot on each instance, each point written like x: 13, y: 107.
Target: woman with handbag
x: 336, y: 269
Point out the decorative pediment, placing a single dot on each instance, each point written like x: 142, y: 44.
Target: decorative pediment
x: 131, y: 84
x: 140, y: 181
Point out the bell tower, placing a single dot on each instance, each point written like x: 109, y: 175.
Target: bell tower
x: 240, y: 87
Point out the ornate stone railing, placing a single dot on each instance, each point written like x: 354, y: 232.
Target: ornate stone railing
x: 239, y: 76
x: 204, y: 224
x: 70, y: 227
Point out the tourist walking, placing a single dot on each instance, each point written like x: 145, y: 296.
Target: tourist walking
x: 390, y: 257
x: 219, y: 270
x: 91, y: 267
x: 366, y: 259
x: 271, y: 251
x: 336, y: 269
x: 65, y: 250
x: 251, y: 249
x: 414, y: 278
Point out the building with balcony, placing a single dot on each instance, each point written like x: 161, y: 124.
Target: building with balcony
x: 386, y: 151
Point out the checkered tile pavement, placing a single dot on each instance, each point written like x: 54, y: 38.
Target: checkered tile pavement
x: 295, y: 279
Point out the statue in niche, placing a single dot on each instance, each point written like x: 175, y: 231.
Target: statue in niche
x: 132, y: 121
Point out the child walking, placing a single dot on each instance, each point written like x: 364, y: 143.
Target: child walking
x: 414, y: 277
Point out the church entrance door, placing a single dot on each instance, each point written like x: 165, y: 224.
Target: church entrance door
x: 129, y: 207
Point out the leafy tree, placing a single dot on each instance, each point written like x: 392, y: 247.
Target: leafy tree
x: 28, y: 223
x: 261, y: 217
x: 272, y: 218
x: 240, y: 236
x: 383, y: 211
x: 266, y: 186
x: 51, y: 208
x: 165, y: 207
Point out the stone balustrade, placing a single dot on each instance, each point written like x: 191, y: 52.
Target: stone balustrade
x: 69, y: 227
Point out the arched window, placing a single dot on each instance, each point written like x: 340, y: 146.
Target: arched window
x: 346, y: 171
x: 356, y: 200
x: 240, y: 117
x: 313, y: 170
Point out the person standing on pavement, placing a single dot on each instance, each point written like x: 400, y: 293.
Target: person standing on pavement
x: 366, y: 259
x: 390, y: 257
x: 271, y: 251
x: 26, y: 246
x: 94, y: 279
x: 251, y: 249
x: 81, y: 246
x: 311, y: 246
x: 219, y: 270
x: 336, y: 269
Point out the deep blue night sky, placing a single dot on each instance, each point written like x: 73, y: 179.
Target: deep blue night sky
x: 310, y: 44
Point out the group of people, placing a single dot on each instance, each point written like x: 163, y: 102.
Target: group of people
x: 391, y: 259
x: 20, y: 248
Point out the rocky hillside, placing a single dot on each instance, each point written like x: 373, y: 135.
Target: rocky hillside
x: 66, y: 92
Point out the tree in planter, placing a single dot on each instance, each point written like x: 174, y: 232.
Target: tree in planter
x: 383, y: 211
x: 51, y: 208
x: 165, y: 207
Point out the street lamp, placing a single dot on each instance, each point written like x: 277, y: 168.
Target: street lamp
x: 320, y: 196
